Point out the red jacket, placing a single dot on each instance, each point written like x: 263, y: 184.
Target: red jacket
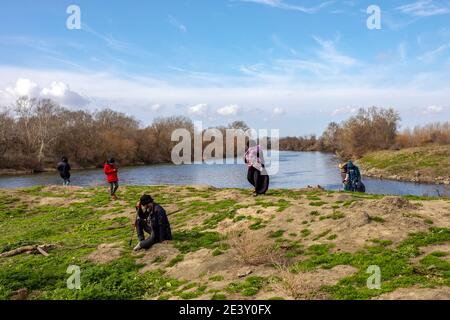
x: 111, y: 172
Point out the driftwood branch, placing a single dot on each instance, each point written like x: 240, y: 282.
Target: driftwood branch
x: 42, y: 249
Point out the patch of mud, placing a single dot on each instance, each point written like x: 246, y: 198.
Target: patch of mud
x: 157, y: 257
x: 391, y: 204
x: 106, y: 253
x: 112, y: 216
x: 202, y: 262
x: 417, y: 293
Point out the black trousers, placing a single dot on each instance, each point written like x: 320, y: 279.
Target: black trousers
x: 141, y: 226
x: 258, y: 180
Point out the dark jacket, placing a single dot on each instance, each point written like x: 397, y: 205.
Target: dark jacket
x: 64, y: 169
x: 158, y: 221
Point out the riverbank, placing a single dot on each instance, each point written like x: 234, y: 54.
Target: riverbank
x: 290, y: 244
x: 422, y: 165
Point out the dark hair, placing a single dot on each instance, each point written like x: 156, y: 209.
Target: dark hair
x: 64, y: 159
x: 146, y: 199
x: 111, y: 160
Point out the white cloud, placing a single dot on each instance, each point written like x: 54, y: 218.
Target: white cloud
x: 177, y: 24
x: 200, y: 109
x: 230, y: 110
x: 278, y: 111
x: 24, y: 87
x: 328, y: 53
x: 57, y: 91
x: 433, y: 110
x: 283, y: 5
x: 299, y: 95
x: 425, y: 8
x: 432, y: 55
x: 344, y: 111
x: 156, y: 107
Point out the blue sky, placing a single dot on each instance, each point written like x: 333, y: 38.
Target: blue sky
x: 295, y: 65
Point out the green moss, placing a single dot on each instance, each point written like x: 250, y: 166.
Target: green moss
x: 305, y: 232
x: 395, y: 265
x: 218, y: 296
x: 317, y: 203
x: 249, y: 287
x: 190, y: 240
x: 216, y: 278
x: 377, y: 219
x: 276, y: 234
x: 175, y: 260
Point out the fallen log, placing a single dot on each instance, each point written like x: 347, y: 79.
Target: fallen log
x: 42, y: 249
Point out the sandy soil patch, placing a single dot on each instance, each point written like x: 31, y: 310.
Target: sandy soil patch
x: 106, y: 253
x: 417, y: 293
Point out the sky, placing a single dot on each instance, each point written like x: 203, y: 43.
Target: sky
x: 293, y: 65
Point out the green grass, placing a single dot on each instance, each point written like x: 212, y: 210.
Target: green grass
x: 249, y: 287
x: 276, y: 234
x: 77, y: 229
x: 431, y: 161
x: 396, y: 269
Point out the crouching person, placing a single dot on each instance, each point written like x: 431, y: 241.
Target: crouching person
x: 151, y: 218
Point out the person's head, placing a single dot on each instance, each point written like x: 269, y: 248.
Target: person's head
x: 111, y: 161
x: 146, y: 200
x: 64, y: 159
x: 249, y: 143
x: 350, y: 164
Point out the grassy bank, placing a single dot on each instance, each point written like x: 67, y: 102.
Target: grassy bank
x: 424, y: 164
x: 290, y: 244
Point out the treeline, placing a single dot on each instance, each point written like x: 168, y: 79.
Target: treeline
x: 34, y: 134
x: 369, y: 130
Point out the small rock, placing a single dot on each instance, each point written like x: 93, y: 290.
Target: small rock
x: 244, y: 273
x: 21, y: 294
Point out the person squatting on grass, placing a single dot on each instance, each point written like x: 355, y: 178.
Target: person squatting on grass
x: 110, y: 170
x: 151, y: 218
x: 64, y: 170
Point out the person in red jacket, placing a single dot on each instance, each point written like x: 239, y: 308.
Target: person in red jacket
x: 110, y: 170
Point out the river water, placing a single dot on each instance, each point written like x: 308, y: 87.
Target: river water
x: 296, y: 170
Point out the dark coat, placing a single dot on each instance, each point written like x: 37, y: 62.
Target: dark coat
x: 64, y: 169
x: 158, y: 221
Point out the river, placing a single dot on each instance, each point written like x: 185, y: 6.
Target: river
x: 296, y: 170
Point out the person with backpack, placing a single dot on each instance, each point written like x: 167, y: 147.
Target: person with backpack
x: 352, y: 181
x: 110, y: 170
x: 151, y: 218
x: 64, y: 170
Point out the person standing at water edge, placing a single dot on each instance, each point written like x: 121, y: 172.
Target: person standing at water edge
x: 64, y: 170
x: 151, y: 218
x: 110, y: 170
x: 256, y: 174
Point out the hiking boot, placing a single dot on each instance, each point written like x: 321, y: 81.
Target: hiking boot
x: 114, y: 197
x: 137, y: 248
